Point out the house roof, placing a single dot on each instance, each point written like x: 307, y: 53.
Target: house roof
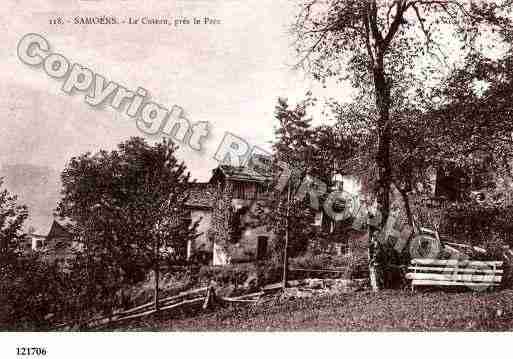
x: 241, y: 174
x: 46, y: 228
x: 59, y: 229
x: 201, y: 195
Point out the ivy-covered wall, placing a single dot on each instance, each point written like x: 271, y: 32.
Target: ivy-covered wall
x: 233, y: 230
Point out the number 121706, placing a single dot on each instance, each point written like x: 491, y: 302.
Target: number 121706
x: 26, y: 351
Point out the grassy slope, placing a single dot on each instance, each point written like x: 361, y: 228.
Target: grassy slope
x: 387, y: 310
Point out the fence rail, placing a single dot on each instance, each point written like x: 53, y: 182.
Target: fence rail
x: 188, y: 298
x: 318, y: 270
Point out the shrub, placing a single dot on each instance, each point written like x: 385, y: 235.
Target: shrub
x: 475, y: 224
x: 29, y: 291
x: 201, y: 257
x: 228, y: 275
x: 241, y: 277
x: 172, y: 280
x: 270, y: 272
x: 349, y: 264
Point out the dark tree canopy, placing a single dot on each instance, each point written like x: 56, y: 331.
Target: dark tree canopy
x: 392, y: 50
x: 12, y: 217
x: 124, y: 200
x: 312, y: 154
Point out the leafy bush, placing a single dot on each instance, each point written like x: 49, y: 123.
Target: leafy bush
x: 270, y: 272
x: 351, y: 266
x: 201, y: 257
x: 475, y: 224
x: 234, y: 274
x: 320, y: 261
x: 242, y: 277
x: 29, y: 291
x: 172, y: 280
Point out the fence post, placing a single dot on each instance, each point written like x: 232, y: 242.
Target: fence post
x: 210, y: 298
x: 286, y: 249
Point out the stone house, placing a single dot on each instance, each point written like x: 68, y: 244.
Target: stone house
x: 225, y: 206
x: 237, y: 236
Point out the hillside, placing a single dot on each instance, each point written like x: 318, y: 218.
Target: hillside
x: 389, y: 310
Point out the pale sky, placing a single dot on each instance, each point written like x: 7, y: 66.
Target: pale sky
x: 229, y: 74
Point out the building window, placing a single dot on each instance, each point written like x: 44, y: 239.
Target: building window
x: 452, y: 183
x: 260, y: 191
x: 243, y: 190
x: 238, y: 190
x: 261, y: 252
x: 318, y: 219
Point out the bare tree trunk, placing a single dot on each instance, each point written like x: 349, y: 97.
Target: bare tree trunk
x: 373, y: 277
x: 407, y: 208
x: 375, y: 272
x: 156, y: 270
x: 384, y: 171
x: 286, y: 249
x: 384, y: 133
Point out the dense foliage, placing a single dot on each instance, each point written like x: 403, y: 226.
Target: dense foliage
x: 26, y: 292
x: 305, y: 157
x: 394, y: 54
x: 126, y: 201
x: 128, y: 208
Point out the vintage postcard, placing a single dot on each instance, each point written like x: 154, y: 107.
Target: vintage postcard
x: 254, y: 166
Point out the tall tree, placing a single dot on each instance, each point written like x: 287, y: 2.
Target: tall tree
x: 26, y: 284
x: 293, y: 147
x: 381, y: 45
x: 129, y: 209
x: 317, y: 151
x: 312, y: 154
x: 12, y: 216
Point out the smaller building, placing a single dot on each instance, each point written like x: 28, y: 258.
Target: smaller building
x: 35, y: 242
x: 57, y: 245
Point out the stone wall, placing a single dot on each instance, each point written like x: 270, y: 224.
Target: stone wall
x: 233, y: 228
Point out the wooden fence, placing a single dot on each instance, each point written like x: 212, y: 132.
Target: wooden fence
x: 188, y: 299
x: 191, y: 298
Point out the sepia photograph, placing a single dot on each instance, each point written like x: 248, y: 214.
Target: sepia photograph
x: 288, y: 166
